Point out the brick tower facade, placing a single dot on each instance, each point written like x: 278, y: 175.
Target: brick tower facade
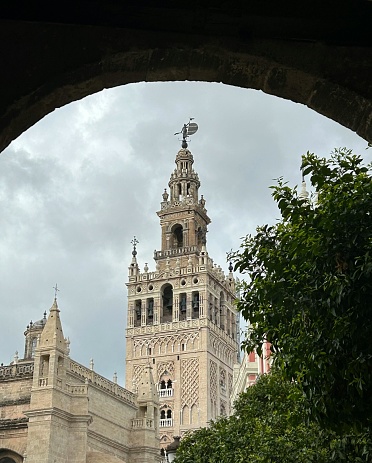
x: 181, y: 318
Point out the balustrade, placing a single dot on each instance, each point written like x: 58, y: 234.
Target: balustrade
x: 166, y: 423
x: 142, y: 423
x: 168, y: 392
x: 43, y: 382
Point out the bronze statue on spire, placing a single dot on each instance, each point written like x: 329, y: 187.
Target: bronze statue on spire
x: 188, y: 129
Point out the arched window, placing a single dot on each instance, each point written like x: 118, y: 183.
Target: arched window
x: 195, y: 304
x: 165, y: 387
x: 183, y: 306
x: 222, y: 311
x: 177, y: 233
x: 167, y: 296
x: 166, y: 417
x: 183, y: 302
x: 138, y: 309
x: 150, y: 310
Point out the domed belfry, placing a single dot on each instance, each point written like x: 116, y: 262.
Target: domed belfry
x: 181, y: 316
x: 183, y: 217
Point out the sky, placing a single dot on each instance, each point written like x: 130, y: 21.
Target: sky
x: 78, y: 185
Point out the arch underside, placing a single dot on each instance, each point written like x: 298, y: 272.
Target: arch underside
x: 50, y: 65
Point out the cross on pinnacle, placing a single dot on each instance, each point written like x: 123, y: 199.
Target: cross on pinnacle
x: 134, y: 242
x: 55, y: 291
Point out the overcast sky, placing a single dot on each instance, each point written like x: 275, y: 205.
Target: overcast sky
x: 78, y: 185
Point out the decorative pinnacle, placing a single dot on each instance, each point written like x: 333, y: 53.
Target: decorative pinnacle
x: 134, y: 242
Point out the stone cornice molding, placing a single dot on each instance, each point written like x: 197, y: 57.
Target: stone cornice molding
x: 58, y: 413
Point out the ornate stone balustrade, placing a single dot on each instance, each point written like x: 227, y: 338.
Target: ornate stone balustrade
x: 140, y: 423
x: 176, y: 252
x: 43, y: 382
x: 16, y: 370
x: 166, y: 423
x: 165, y: 392
x: 102, y: 382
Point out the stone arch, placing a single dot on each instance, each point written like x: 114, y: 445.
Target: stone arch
x: 318, y: 66
x: 194, y: 414
x: 10, y: 456
x: 185, y: 415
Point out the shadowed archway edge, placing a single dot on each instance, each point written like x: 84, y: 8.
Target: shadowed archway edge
x: 51, y: 65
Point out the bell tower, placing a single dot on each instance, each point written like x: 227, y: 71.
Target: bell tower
x: 181, y: 317
x: 188, y: 228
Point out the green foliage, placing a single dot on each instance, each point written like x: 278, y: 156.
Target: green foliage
x: 269, y: 426
x: 310, y: 288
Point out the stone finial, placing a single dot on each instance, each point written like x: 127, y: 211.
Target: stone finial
x: 134, y: 242
x: 91, y: 364
x: 165, y: 195
x: 115, y: 378
x: 304, y: 194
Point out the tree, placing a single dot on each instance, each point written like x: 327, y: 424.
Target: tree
x: 268, y: 426
x: 310, y: 288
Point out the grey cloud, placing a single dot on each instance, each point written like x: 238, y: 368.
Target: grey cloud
x: 93, y: 174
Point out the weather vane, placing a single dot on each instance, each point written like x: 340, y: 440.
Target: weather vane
x: 134, y: 242
x: 188, y: 129
x: 55, y: 291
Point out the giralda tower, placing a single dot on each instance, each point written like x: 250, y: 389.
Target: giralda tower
x: 181, y: 317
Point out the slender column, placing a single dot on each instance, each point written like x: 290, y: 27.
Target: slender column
x: 143, y: 312
x: 176, y: 308
x: 130, y: 315
x: 188, y: 306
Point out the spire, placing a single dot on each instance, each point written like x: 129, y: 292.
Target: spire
x: 146, y: 388
x: 133, y: 268
x: 183, y: 216
x: 304, y: 194
x: 52, y: 334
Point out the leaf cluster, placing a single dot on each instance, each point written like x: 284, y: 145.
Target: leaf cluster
x: 269, y: 426
x: 309, y: 291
